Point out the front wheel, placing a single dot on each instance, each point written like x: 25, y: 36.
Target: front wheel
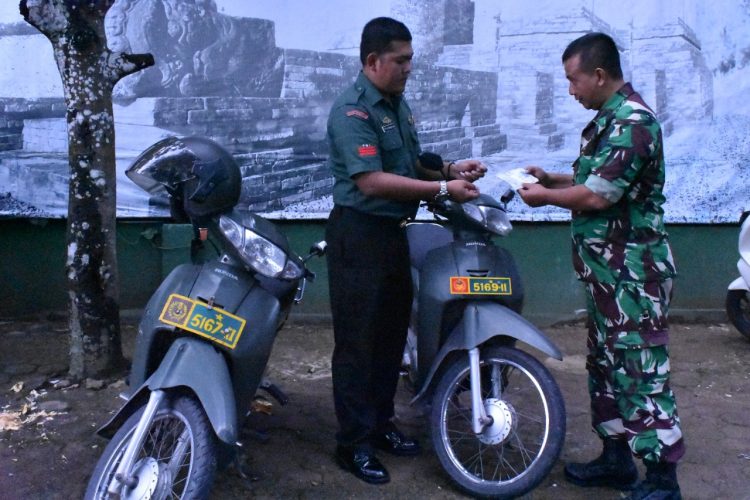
x: 177, y: 458
x: 738, y: 310
x: 516, y: 452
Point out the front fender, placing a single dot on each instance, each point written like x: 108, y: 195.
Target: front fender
x: 738, y: 284
x: 741, y: 283
x: 482, y: 321
x: 201, y: 368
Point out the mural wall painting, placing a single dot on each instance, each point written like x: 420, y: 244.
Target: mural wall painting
x: 487, y: 82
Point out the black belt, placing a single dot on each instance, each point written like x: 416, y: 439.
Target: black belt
x: 370, y: 219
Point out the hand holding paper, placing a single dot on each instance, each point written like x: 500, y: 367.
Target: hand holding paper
x: 517, y: 177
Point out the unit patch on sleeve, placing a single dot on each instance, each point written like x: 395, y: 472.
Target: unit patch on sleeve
x: 358, y: 114
x: 367, y: 150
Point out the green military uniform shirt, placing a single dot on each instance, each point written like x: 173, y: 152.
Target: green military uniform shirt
x: 366, y: 133
x: 622, y: 160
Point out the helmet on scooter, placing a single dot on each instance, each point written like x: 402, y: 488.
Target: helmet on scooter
x: 201, y: 178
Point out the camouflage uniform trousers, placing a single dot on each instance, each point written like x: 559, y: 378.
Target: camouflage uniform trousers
x: 628, y: 367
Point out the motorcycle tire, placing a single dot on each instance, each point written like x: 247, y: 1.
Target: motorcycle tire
x: 517, y: 451
x: 738, y: 310
x: 177, y: 459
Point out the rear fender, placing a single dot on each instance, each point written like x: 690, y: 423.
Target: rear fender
x: 481, y: 322
x: 199, y: 367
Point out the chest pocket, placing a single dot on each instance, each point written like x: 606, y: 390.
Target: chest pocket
x: 391, y: 138
x: 398, y: 146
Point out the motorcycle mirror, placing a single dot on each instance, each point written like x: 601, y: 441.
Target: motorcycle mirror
x: 316, y: 250
x: 319, y: 248
x: 507, y: 195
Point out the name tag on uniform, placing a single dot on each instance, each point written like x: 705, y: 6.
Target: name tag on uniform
x: 388, y: 124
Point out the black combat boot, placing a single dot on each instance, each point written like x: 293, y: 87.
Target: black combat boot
x: 614, y: 468
x: 660, y: 483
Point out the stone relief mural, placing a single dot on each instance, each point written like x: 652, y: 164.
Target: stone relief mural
x: 259, y: 77
x: 198, y: 51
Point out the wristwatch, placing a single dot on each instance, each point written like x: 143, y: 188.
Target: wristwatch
x: 442, y: 195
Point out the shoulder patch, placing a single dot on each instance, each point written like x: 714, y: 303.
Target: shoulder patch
x: 359, y: 114
x: 367, y: 150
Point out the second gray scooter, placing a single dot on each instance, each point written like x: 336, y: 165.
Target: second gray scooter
x: 497, y: 416
x: 205, y: 336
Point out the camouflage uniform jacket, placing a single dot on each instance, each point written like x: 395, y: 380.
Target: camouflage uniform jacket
x: 622, y: 160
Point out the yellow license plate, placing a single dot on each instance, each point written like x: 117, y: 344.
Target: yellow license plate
x: 198, y: 317
x: 468, y: 285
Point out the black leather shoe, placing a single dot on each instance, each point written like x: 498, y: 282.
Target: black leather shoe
x: 363, y: 464
x: 648, y: 490
x: 599, y: 474
x: 394, y: 442
x: 614, y: 468
x: 660, y: 483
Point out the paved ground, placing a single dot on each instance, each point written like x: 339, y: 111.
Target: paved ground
x: 53, y: 448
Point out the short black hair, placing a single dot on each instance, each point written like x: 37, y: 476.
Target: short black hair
x: 378, y: 34
x: 597, y: 50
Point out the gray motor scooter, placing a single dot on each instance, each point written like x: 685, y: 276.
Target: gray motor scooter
x: 205, y: 336
x: 497, y: 416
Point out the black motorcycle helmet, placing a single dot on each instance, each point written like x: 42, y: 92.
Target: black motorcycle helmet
x: 201, y: 178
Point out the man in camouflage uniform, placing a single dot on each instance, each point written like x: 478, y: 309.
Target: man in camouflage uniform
x: 622, y: 254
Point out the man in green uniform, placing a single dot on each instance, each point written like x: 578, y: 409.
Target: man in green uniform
x: 378, y: 182
x: 622, y: 254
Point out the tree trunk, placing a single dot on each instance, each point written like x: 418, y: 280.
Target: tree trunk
x: 89, y: 71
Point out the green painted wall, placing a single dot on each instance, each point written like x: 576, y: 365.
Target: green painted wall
x: 32, y: 257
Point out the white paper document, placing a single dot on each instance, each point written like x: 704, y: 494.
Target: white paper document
x: 516, y: 177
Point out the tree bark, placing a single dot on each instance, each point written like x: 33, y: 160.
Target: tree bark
x: 89, y: 72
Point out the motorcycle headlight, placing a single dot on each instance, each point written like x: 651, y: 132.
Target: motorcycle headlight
x: 259, y: 253
x: 494, y: 219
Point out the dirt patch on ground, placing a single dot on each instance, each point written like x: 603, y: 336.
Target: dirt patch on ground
x: 48, y: 445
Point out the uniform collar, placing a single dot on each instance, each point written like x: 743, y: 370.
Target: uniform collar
x: 616, y: 100
x: 371, y: 94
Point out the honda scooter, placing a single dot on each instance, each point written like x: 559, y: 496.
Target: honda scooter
x: 205, y: 336
x: 738, y: 295
x: 497, y: 416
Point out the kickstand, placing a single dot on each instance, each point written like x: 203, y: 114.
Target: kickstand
x: 241, y: 470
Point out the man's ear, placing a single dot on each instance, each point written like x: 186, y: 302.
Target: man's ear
x: 371, y: 60
x: 601, y: 76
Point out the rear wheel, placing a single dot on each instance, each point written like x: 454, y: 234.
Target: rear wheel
x: 516, y: 452
x: 176, y: 460
x: 738, y: 310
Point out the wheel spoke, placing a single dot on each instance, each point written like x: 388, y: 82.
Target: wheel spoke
x: 474, y: 462
x: 181, y: 452
x: 526, y: 455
